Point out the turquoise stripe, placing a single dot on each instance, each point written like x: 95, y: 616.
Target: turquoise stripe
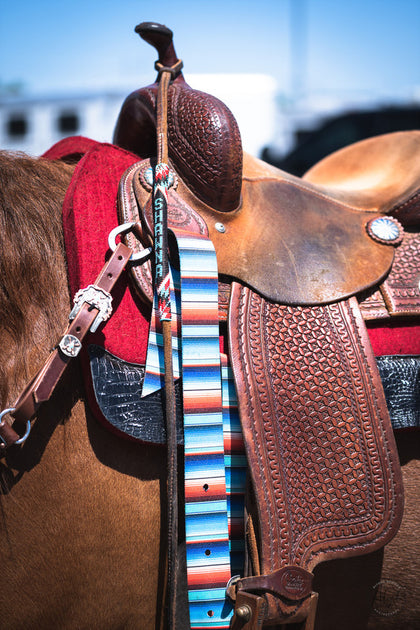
x: 194, y: 419
x: 207, y: 594
x: 194, y: 241
x: 198, y: 508
x: 208, y: 526
x: 206, y: 353
x: 207, y: 330
x: 236, y: 481
x: 229, y: 393
x: 231, y: 420
x: 236, y: 461
x: 189, y: 260
x: 206, y: 434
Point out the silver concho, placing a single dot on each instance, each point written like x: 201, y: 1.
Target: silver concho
x: 70, y: 345
x: 385, y: 230
x: 96, y: 297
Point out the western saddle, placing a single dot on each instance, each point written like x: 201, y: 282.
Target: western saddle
x: 296, y: 255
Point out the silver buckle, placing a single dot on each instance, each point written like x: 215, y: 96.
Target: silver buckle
x: 96, y: 297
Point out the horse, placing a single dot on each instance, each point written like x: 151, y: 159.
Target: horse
x: 80, y: 509
x: 83, y: 533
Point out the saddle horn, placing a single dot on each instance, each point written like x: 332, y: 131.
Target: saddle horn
x: 204, y: 141
x: 161, y: 38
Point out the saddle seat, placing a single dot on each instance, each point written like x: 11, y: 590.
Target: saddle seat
x: 289, y: 239
x: 380, y: 174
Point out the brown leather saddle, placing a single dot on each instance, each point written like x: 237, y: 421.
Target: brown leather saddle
x: 294, y: 255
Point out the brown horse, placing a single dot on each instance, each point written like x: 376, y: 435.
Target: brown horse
x: 82, y: 539
x: 80, y: 508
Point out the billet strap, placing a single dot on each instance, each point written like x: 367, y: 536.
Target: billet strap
x: 208, y: 425
x: 43, y: 384
x: 399, y: 294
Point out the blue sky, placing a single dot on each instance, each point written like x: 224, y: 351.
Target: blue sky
x: 366, y: 45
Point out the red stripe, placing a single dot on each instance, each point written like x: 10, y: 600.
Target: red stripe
x: 199, y: 577
x: 195, y: 490
x: 234, y: 443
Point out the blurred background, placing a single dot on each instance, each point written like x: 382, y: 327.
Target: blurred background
x: 302, y: 77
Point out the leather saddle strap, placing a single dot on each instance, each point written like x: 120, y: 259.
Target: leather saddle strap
x: 43, y: 384
x: 318, y: 438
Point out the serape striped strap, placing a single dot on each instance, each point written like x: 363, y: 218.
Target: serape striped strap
x: 211, y: 510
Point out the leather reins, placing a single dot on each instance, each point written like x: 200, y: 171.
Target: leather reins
x: 162, y: 283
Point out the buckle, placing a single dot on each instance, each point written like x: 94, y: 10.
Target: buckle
x: 97, y: 298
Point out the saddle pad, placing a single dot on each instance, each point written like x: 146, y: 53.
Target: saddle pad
x: 317, y: 433
x: 89, y: 214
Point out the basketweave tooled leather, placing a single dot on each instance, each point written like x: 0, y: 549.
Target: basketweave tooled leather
x: 203, y: 140
x: 399, y: 294
x: 318, y: 437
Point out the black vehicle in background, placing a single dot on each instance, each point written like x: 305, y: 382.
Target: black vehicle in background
x: 340, y: 131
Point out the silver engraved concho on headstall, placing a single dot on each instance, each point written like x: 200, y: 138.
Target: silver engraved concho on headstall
x: 96, y: 297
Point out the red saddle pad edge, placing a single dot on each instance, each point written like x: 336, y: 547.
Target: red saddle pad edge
x: 393, y: 337
x: 73, y: 147
x: 89, y: 214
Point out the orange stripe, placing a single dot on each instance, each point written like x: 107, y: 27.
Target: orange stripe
x: 197, y: 404
x: 234, y: 443
x: 195, y: 490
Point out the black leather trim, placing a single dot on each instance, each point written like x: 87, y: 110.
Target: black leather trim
x: 117, y: 387
x: 401, y: 382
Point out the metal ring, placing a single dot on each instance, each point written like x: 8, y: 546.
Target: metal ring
x: 122, y: 229
x: 9, y: 410
x: 28, y: 425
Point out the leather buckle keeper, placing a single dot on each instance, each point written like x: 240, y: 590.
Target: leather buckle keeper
x: 291, y: 582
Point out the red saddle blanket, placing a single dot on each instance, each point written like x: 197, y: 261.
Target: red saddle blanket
x: 89, y: 214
